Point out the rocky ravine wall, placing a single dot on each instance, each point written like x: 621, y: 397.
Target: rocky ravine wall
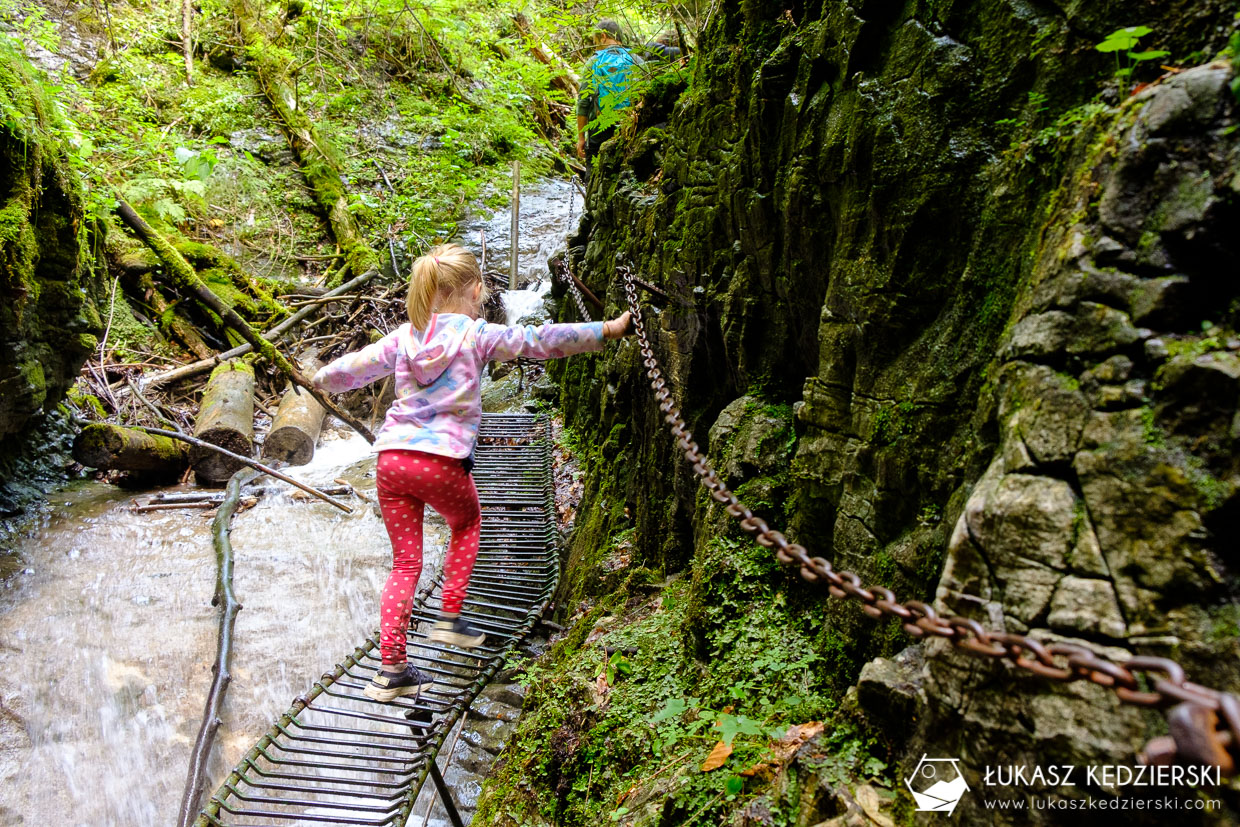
x: 1003, y: 313
x: 48, y: 321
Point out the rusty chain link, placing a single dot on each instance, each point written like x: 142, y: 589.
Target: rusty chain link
x: 1204, y: 723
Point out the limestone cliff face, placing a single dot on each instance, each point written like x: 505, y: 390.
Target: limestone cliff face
x: 1002, y: 308
x: 48, y: 321
x: 1106, y: 512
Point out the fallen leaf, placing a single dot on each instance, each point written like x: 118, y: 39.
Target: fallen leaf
x: 871, y: 805
x: 717, y: 756
x: 794, y: 739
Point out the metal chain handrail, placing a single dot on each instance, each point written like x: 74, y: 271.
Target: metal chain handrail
x: 564, y: 274
x: 1205, y: 723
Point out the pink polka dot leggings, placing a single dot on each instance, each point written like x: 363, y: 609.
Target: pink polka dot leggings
x: 408, y: 481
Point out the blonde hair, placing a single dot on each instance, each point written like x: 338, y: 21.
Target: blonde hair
x: 438, y: 277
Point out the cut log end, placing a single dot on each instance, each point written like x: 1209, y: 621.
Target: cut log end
x: 226, y: 419
x: 214, y: 468
x: 295, y: 429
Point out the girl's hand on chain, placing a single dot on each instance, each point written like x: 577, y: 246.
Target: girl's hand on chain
x: 622, y: 325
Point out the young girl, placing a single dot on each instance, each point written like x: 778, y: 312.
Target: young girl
x: 429, y: 434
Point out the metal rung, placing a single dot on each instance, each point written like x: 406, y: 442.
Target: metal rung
x: 334, y: 731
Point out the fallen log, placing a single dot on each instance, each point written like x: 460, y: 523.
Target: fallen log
x: 295, y: 429
x: 273, y: 335
x: 136, y: 264
x: 271, y: 472
x: 228, y: 606
x: 318, y: 162
x: 115, y: 448
x: 184, y: 277
x: 226, y: 419
x: 566, y: 80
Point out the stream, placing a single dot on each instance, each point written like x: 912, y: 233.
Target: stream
x: 108, y: 635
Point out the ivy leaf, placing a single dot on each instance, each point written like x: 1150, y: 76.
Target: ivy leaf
x: 674, y: 708
x: 732, y: 725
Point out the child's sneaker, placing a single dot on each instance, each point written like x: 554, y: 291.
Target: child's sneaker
x: 385, y: 686
x: 456, y: 632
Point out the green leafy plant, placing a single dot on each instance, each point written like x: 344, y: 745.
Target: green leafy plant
x: 617, y: 666
x: 1125, y: 41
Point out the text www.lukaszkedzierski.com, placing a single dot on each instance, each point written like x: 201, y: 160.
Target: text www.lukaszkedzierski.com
x: 1166, y: 803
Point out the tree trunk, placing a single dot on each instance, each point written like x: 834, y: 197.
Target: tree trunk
x: 184, y: 277
x: 318, y: 164
x: 171, y: 321
x: 295, y: 429
x: 136, y: 263
x: 272, y: 335
x: 187, y: 38
x: 115, y: 448
x: 226, y: 418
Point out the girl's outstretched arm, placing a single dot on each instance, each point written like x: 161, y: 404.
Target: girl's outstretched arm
x: 354, y: 370
x: 548, y: 341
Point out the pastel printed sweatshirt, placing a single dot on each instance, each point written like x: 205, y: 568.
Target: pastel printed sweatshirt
x: 438, y: 374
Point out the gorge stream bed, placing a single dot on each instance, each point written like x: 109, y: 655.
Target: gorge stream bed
x: 108, y: 635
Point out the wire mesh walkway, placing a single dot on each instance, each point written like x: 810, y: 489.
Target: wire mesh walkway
x: 337, y: 757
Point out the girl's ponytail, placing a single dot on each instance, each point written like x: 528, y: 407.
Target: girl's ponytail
x: 423, y: 288
x: 442, y: 274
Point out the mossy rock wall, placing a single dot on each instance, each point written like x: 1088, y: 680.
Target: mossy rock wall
x: 48, y: 319
x: 917, y: 226
x: 48, y: 322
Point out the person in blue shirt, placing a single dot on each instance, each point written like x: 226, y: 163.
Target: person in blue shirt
x: 605, y: 88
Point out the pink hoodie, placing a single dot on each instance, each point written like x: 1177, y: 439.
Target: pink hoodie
x: 438, y: 394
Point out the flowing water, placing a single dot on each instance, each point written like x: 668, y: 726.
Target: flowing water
x: 108, y: 635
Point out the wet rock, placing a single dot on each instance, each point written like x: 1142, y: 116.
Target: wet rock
x: 891, y: 689
x: 512, y: 694
x: 1098, y: 329
x: 1036, y: 337
x: 489, y: 735
x: 1186, y: 101
x: 1082, y: 605
x: 1198, y: 395
x: 1156, y: 350
x: 472, y: 759
x: 485, y: 709
x: 545, y: 389
x: 1026, y: 517
x: 750, y: 438
x: 1047, y: 411
x: 1163, y: 302
x: 270, y: 148
x: 1145, y: 511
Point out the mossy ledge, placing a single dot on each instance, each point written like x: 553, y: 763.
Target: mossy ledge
x: 48, y: 319
x: 855, y: 208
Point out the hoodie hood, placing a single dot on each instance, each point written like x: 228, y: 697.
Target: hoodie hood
x: 431, y: 353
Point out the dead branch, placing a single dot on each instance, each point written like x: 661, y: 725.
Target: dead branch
x: 253, y: 464
x: 228, y: 605
x: 272, y: 335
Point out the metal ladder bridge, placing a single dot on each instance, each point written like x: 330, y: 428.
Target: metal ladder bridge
x: 337, y: 757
